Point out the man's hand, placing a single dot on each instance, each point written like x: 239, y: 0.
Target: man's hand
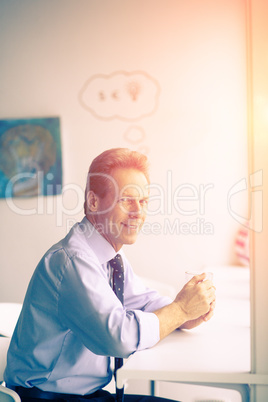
x: 196, y: 298
x: 194, y: 323
x: 193, y: 304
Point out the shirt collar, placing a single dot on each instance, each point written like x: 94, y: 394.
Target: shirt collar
x: 102, y: 248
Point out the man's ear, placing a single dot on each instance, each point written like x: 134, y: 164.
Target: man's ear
x: 92, y: 201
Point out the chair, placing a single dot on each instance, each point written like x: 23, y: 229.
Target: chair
x: 6, y: 394
x: 9, y: 314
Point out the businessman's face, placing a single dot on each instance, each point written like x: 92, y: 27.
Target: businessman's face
x: 120, y: 214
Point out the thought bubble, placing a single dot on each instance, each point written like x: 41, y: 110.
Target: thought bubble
x: 134, y: 134
x: 121, y: 95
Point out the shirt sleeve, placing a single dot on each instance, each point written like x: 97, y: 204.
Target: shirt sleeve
x: 143, y: 301
x: 139, y: 296
x: 88, y: 306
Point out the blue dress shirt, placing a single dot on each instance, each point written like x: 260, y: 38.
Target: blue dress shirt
x: 72, y: 322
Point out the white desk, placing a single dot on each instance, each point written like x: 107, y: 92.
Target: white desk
x: 217, y: 352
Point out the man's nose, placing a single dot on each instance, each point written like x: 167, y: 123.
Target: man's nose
x: 135, y: 208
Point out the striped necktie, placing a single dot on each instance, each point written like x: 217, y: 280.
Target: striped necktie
x: 118, y: 288
x: 118, y: 277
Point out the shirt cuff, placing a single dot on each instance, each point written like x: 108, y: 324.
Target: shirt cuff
x: 149, y: 333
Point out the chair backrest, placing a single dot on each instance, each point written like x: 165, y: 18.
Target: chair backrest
x: 7, y: 395
x: 9, y: 314
x: 4, y: 344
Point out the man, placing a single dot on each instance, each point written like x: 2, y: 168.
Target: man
x: 72, y: 321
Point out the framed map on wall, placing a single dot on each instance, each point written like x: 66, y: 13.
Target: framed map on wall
x: 30, y: 157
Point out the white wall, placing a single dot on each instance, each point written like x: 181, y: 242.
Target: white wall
x: 196, y: 53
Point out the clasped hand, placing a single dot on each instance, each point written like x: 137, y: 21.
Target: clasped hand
x: 197, y: 300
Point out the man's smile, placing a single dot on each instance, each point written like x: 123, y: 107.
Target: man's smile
x: 132, y: 225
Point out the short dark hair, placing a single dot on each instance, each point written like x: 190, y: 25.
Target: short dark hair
x: 102, y: 166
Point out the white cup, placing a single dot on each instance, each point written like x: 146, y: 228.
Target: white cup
x: 190, y: 274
